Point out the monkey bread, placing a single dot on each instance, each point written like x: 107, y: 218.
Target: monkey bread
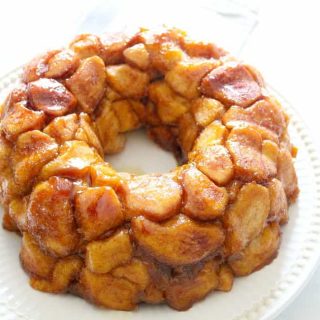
x: 119, y: 239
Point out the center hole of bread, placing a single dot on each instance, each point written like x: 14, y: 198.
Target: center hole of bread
x: 141, y: 155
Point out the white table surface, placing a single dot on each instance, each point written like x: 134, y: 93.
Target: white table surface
x: 282, y: 42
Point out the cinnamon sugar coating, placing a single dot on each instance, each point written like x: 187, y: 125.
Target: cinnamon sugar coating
x: 120, y: 239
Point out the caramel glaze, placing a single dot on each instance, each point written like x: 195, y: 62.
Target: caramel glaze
x: 118, y: 239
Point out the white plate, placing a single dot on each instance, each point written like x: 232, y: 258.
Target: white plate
x: 260, y: 296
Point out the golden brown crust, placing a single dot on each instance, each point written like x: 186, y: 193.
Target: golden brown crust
x: 118, y: 239
x: 97, y: 210
x: 51, y: 97
x: 38, y: 66
x: 260, y: 252
x: 226, y: 278
x: 232, y: 85
x: 179, y: 241
x: 266, y: 117
x: 88, y: 83
x: 215, y: 161
x: 104, y: 255
x: 50, y: 217
x: 246, y: 217
x: 203, y: 199
x: 32, y: 151
x: 183, y: 293
x: 20, y: 119
x: 157, y: 197
x: 246, y: 148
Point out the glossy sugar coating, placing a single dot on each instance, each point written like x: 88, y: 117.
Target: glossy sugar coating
x: 119, y: 239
